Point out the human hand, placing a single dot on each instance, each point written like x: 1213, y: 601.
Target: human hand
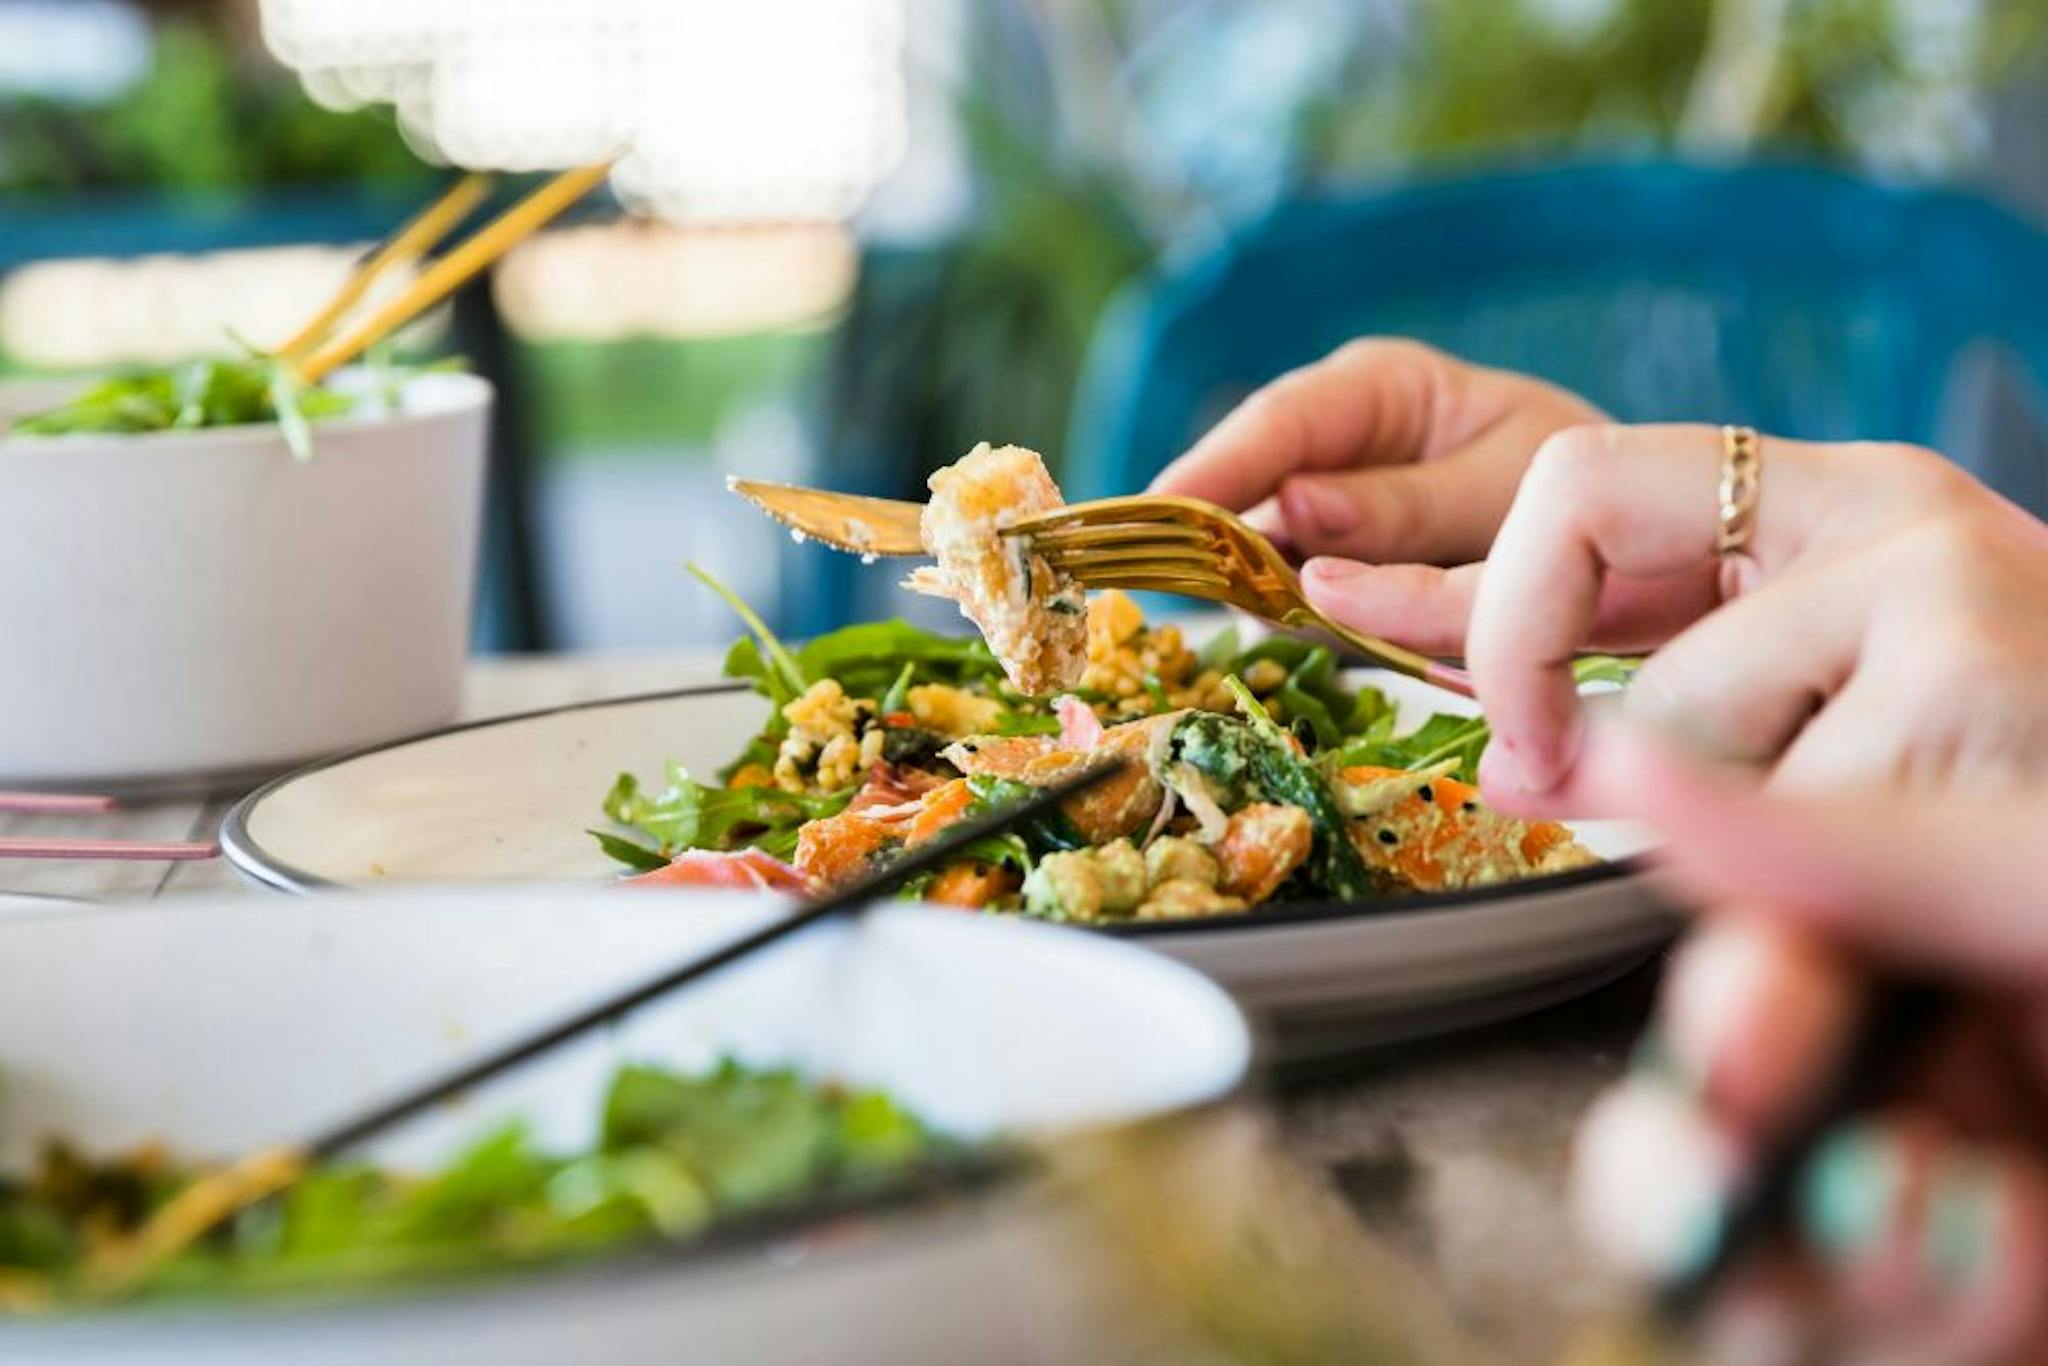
x: 1888, y: 621
x: 1922, y: 1228
x: 1385, y: 450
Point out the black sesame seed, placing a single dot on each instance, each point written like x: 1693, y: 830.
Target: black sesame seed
x: 1389, y: 837
x: 1470, y: 807
x: 1425, y: 793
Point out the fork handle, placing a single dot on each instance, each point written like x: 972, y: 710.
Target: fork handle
x: 1386, y: 654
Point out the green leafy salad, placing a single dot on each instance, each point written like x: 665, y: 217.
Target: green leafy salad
x: 675, y: 1155
x: 238, y: 391
x: 1258, y: 774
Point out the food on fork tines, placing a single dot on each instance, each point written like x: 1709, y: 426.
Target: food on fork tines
x: 1031, y: 615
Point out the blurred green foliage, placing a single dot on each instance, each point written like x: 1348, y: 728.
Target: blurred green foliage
x: 202, y: 118
x: 597, y: 397
x: 1480, y: 77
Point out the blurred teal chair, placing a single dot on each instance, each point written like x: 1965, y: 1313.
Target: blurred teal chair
x: 1805, y: 302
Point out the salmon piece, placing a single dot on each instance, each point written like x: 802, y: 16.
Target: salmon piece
x: 891, y: 786
x: 1542, y: 840
x: 1261, y: 847
x: 749, y: 868
x: 971, y: 885
x: 940, y: 808
x: 838, y: 848
x: 1429, y: 831
x: 1124, y: 805
x: 1033, y: 616
x: 1080, y: 727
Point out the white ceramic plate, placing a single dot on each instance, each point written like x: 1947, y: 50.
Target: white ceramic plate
x: 239, y: 1023
x: 511, y: 800
x: 33, y: 903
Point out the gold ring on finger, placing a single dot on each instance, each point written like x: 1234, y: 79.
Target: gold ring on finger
x: 1741, y: 482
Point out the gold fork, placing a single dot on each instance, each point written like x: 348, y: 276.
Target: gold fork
x: 1160, y: 544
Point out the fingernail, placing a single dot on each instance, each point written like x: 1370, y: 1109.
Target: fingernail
x: 1653, y: 1060
x: 1315, y: 507
x: 1755, y: 1330
x: 1965, y: 1227
x: 1649, y: 1181
x: 1503, y: 773
x: 1521, y: 769
x: 1333, y: 570
x: 1711, y: 979
x: 1849, y: 1192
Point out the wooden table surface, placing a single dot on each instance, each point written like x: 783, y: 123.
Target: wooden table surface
x: 1454, y: 1151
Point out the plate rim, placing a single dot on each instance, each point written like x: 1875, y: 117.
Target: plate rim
x: 247, y: 856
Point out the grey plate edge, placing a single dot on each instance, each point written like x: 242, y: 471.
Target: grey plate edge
x: 251, y: 861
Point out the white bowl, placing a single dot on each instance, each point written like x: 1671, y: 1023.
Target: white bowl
x: 186, y: 609
x: 242, y: 1022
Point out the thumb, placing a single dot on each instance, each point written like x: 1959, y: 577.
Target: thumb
x: 1949, y: 883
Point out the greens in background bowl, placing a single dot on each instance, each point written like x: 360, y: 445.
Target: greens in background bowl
x: 240, y: 391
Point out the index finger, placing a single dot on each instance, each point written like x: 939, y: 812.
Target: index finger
x: 1372, y: 401
x: 1637, y: 500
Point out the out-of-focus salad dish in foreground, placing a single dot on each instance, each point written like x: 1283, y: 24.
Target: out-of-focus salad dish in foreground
x: 1257, y: 774
x: 675, y: 1155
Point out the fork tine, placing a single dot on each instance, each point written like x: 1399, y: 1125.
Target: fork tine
x: 1181, y: 588
x: 1083, y: 536
x: 1166, y: 559
x: 1194, y: 583
x: 1103, y: 512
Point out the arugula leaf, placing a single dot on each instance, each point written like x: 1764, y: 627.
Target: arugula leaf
x: 632, y: 853
x: 690, y: 815
x: 1313, y: 690
x: 1220, y: 650
x: 898, y: 696
x: 1464, y: 738
x: 676, y: 1152
x: 1605, y: 669
x: 136, y: 403
x: 875, y: 659
x: 1286, y: 776
x: 1443, y: 736
x: 875, y: 1133
x: 227, y: 392
x: 870, y: 657
x: 1049, y: 833
x: 780, y: 677
x: 284, y: 396
x: 748, y: 1135
x: 1026, y: 723
x: 503, y: 1168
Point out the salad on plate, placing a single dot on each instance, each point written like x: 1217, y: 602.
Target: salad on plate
x: 1257, y: 773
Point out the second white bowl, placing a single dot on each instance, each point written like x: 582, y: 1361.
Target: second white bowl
x: 187, y: 609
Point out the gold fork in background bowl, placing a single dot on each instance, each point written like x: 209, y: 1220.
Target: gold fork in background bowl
x: 1150, y: 543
